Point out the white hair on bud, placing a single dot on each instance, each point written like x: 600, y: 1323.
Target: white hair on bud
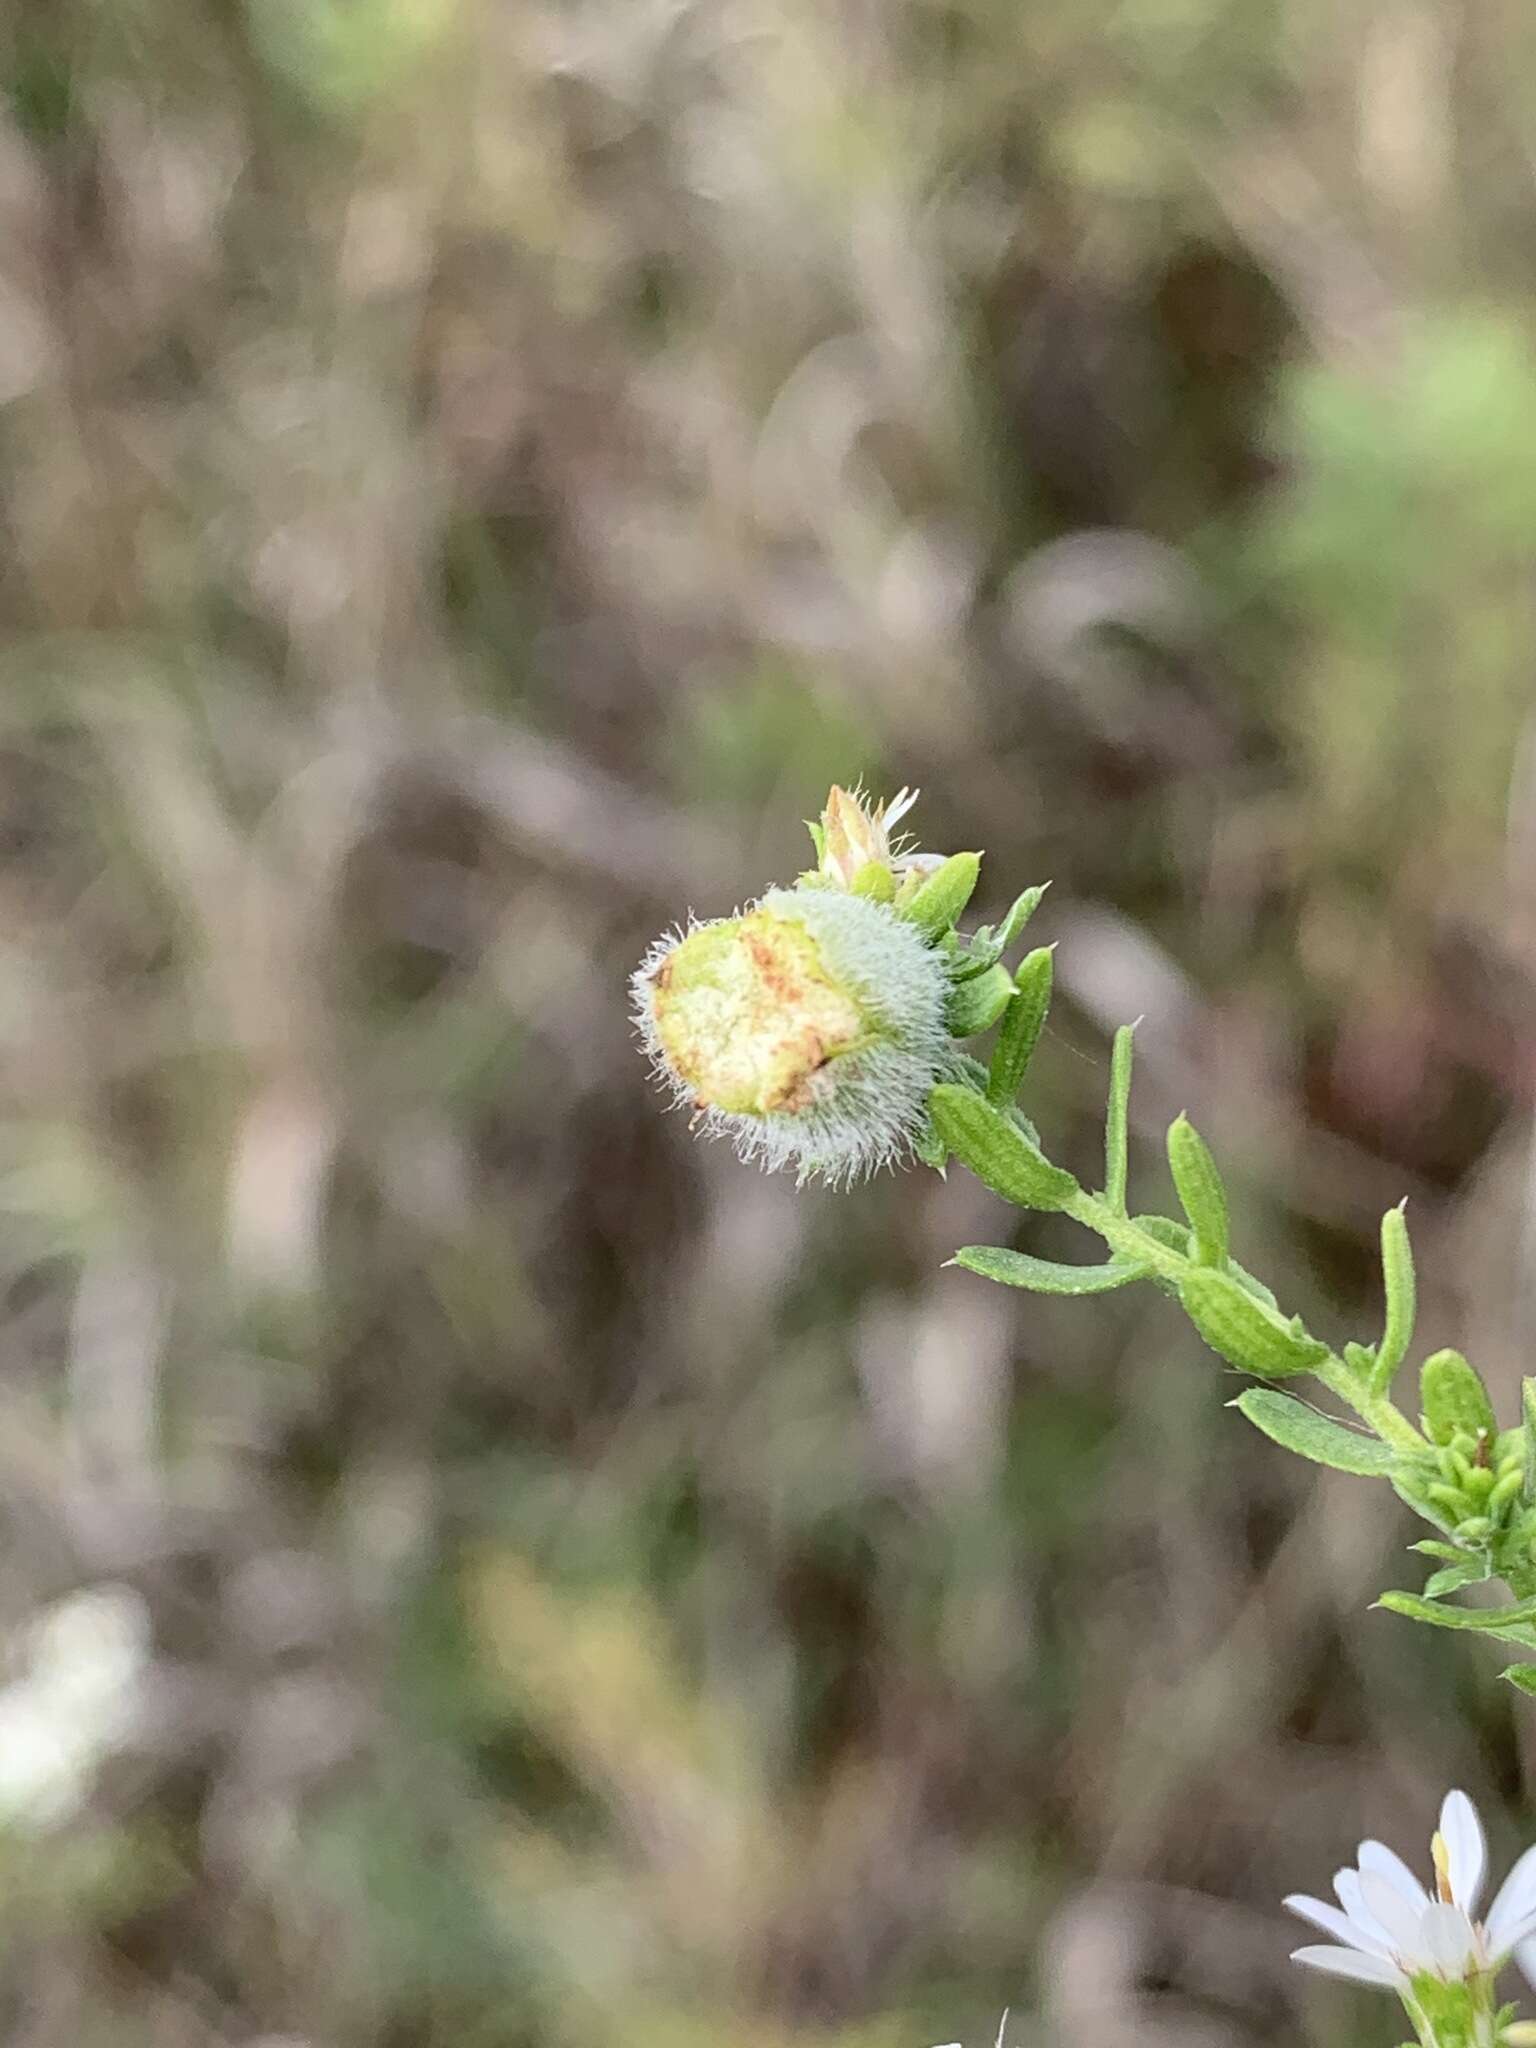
x: 868, y: 1105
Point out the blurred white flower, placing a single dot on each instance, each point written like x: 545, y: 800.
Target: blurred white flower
x: 73, y: 1704
x: 1393, y: 1930
x: 1002, y: 2023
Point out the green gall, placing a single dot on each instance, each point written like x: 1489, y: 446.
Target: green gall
x: 809, y: 1030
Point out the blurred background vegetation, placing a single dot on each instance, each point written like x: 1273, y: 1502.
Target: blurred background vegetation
x: 471, y: 473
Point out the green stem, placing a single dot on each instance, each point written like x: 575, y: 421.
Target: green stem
x: 1129, y: 1241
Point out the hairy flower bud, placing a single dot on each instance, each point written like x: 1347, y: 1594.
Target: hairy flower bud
x: 855, y: 835
x: 810, y: 1029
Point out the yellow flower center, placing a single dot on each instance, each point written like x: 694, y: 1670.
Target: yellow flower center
x: 1442, y: 1858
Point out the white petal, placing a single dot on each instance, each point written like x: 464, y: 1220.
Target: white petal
x: 1347, y: 1884
x: 896, y: 809
x: 44, y: 1767
x: 1514, y: 1933
x: 1376, y: 1857
x: 1466, y: 1848
x: 1348, y: 1962
x: 1338, y: 1924
x: 1447, y: 1941
x: 1002, y: 2023
x: 1515, y: 1901
x: 1400, y: 1920
x: 1525, y: 1956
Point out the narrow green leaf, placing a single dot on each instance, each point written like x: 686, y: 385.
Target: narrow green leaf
x: 977, y: 1004
x: 1414, y: 1487
x: 1311, y: 1435
x: 1521, y: 1675
x: 931, y: 1148
x: 1045, y: 1276
x: 1428, y: 1547
x: 1116, y: 1122
x: 997, y: 1151
x: 1022, y: 1025
x: 1200, y: 1191
x: 1397, y: 1271
x: 1020, y: 911
x: 1455, y: 1398
x: 1242, y: 1330
x: 1486, y: 1620
x: 1252, y: 1283
x: 875, y: 880
x: 1173, y: 1237
x: 987, y: 945
x: 935, y: 906
x: 1360, y: 1358
x: 1452, y: 1577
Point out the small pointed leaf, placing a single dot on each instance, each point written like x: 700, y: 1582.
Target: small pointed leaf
x: 1200, y: 1190
x: 1397, y: 1271
x: 1415, y: 1486
x: 875, y: 880
x: 1022, y: 1024
x: 1455, y: 1398
x: 1310, y: 1434
x: 1020, y: 911
x: 1486, y: 1620
x: 1452, y: 1577
x: 1360, y: 1358
x: 1173, y: 1237
x: 1046, y: 1276
x: 1253, y: 1284
x: 1243, y: 1331
x: 997, y: 1151
x: 931, y: 1148
x: 1117, y: 1119
x: 977, y: 1004
x: 935, y: 907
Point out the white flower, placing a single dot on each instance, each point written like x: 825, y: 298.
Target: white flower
x: 1393, y: 1930
x: 1000, y: 2026
x: 73, y: 1704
